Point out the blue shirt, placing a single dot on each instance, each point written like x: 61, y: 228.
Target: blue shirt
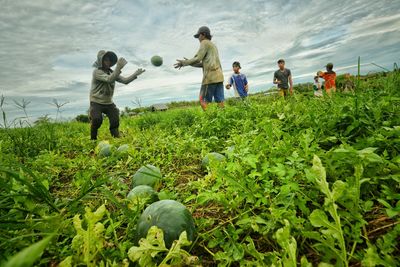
x: 239, y: 81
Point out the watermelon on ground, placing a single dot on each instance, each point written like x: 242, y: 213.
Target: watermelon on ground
x: 147, y: 175
x: 123, y: 150
x: 213, y: 156
x: 170, y: 216
x: 142, y: 194
x: 104, y: 149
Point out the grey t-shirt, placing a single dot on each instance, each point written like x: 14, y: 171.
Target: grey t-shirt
x: 282, y: 76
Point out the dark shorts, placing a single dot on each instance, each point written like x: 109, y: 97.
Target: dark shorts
x: 210, y: 91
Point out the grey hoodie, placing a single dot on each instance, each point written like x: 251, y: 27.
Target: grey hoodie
x: 103, y: 81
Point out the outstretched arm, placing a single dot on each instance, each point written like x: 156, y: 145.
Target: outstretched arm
x: 127, y: 80
x: 195, y: 61
x: 197, y: 65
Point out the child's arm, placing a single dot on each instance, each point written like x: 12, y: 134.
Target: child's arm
x: 229, y: 85
x: 110, y: 78
x: 246, y: 84
x: 127, y: 80
x: 275, y: 80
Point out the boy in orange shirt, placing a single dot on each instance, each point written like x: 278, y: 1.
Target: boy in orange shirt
x: 330, y: 79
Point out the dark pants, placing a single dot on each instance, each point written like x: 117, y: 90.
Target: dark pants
x: 96, y: 118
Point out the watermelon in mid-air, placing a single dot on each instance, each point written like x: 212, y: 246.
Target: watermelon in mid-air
x: 170, y: 216
x: 157, y: 61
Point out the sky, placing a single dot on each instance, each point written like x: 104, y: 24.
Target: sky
x: 47, y: 48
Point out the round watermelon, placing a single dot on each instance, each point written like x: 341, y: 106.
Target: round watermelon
x: 213, y: 156
x: 170, y: 216
x: 104, y: 150
x: 157, y: 61
x: 142, y: 194
x: 123, y: 149
x: 147, y: 175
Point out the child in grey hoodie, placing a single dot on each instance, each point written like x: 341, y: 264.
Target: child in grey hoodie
x: 102, y: 91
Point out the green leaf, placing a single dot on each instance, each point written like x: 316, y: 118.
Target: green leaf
x: 338, y: 188
x: 289, y: 245
x: 29, y: 255
x: 148, y: 247
x: 153, y: 246
x: 318, y: 218
x: 371, y: 257
x: 304, y: 262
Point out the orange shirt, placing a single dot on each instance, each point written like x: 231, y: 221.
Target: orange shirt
x: 329, y: 78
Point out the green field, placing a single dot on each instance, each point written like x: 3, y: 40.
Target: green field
x: 305, y: 181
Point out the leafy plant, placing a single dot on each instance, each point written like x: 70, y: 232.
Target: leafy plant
x: 153, y: 252
x: 88, y: 242
x: 28, y: 256
x: 331, y: 238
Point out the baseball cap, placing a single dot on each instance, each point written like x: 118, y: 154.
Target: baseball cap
x: 202, y: 29
x: 281, y: 60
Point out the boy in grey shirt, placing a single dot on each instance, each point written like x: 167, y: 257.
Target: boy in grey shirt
x: 282, y: 77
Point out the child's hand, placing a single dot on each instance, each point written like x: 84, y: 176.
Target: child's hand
x: 228, y: 86
x: 246, y: 88
x: 139, y: 72
x: 121, y: 63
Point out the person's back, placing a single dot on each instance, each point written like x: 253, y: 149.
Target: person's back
x: 330, y: 79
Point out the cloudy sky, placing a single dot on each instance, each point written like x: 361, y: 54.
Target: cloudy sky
x: 47, y: 47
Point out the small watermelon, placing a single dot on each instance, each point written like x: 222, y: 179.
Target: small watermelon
x: 142, y: 194
x: 214, y: 156
x: 123, y: 150
x: 157, y: 61
x: 102, y: 144
x: 104, y: 149
x: 170, y: 216
x: 147, y: 175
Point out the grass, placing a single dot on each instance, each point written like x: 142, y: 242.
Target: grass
x: 305, y: 181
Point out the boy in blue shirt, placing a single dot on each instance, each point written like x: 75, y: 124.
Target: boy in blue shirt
x: 238, y: 81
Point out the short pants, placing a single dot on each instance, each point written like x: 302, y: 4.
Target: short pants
x: 283, y: 91
x: 210, y: 91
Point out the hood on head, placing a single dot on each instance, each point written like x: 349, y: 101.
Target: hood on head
x: 100, y: 55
